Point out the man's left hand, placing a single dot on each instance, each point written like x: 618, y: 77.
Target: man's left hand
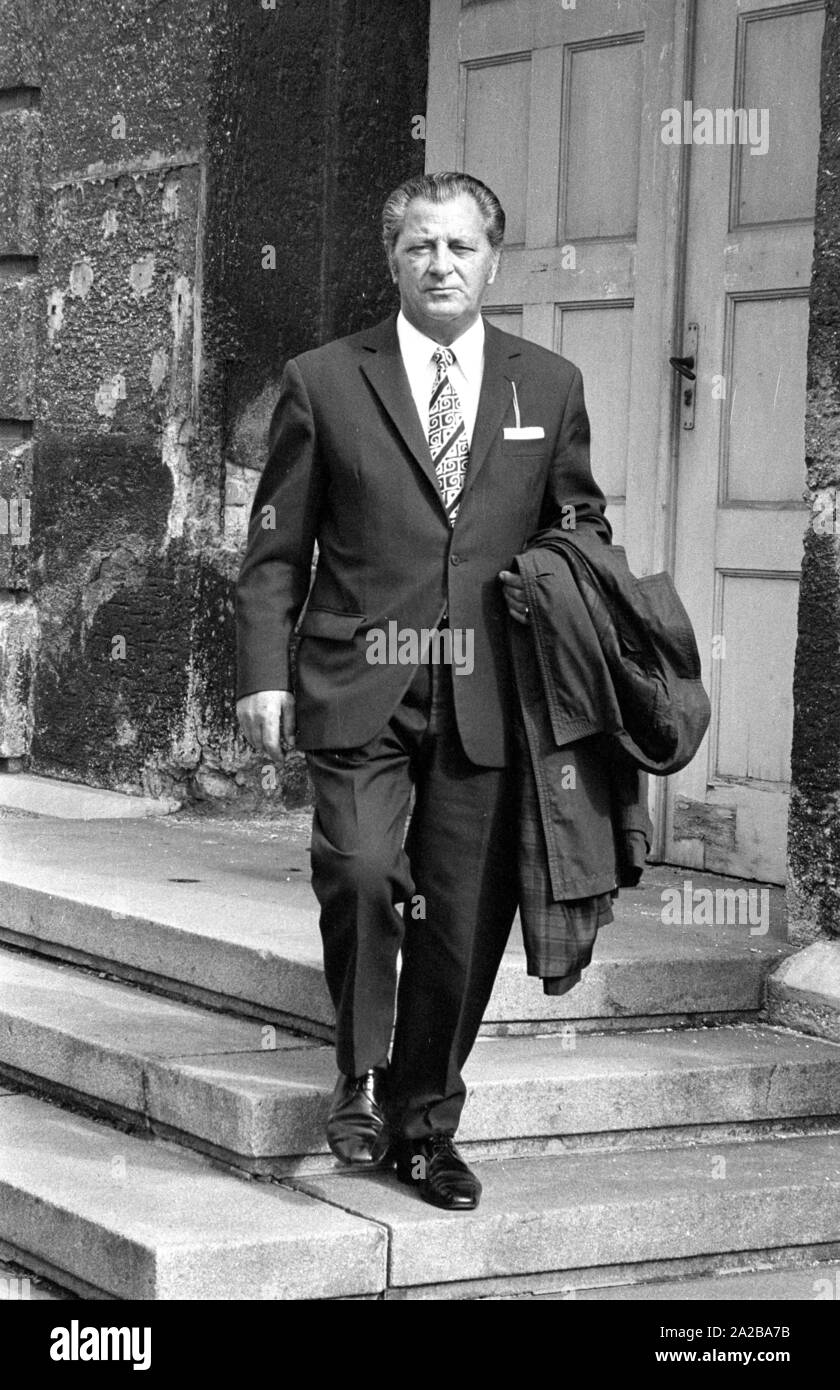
x: 514, y: 592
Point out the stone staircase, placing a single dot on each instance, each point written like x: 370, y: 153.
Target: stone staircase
x: 165, y: 1070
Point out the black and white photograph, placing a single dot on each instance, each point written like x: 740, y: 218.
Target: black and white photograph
x: 420, y: 668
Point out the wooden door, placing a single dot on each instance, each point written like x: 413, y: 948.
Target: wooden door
x: 557, y: 108
x: 740, y: 514
x: 618, y: 240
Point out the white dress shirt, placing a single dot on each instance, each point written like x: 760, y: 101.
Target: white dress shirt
x: 465, y: 373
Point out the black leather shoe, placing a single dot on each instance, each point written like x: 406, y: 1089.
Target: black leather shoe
x: 357, y: 1130
x: 436, y: 1169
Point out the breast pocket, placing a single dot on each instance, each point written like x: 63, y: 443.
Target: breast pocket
x: 515, y: 449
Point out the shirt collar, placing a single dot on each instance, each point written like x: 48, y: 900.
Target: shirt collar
x: 417, y: 349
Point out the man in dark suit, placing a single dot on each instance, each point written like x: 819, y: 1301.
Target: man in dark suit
x: 420, y: 455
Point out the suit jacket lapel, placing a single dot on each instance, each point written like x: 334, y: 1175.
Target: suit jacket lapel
x: 382, y: 364
x: 501, y: 364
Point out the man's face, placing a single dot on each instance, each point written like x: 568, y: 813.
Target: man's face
x: 442, y: 263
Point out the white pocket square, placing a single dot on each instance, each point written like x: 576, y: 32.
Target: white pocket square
x: 524, y: 432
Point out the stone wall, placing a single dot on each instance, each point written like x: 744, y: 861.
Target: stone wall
x: 814, y: 836
x: 20, y: 136
x: 189, y: 195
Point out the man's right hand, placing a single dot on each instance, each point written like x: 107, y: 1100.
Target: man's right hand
x: 267, y: 719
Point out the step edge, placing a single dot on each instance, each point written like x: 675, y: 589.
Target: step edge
x: 640, y: 1138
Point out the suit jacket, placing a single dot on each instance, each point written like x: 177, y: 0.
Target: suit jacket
x: 349, y: 466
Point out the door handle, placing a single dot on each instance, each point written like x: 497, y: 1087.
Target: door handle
x: 686, y: 367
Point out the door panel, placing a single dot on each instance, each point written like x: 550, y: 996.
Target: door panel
x: 765, y: 419
x: 599, y: 340
x: 500, y: 93
x: 777, y: 68
x: 601, y: 131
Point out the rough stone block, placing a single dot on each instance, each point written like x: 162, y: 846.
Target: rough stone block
x: 127, y: 82
x: 21, y: 54
x: 20, y: 142
x: 18, y: 347
x: 18, y: 642
x: 804, y: 992
x: 119, y: 275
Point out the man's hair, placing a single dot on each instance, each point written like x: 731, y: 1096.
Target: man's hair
x: 440, y: 188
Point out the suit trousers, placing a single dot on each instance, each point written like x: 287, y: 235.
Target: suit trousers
x: 455, y: 877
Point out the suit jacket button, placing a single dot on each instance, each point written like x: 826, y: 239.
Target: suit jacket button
x: 454, y: 559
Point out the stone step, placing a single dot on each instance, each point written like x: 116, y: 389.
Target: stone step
x: 231, y: 922
x: 781, y: 1274
x: 820, y: 1282
x: 51, y: 796
x: 107, y: 1214
x: 258, y: 1095
x: 579, y: 1215
x: 110, y: 1214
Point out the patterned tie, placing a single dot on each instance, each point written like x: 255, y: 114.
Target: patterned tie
x: 447, y: 437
